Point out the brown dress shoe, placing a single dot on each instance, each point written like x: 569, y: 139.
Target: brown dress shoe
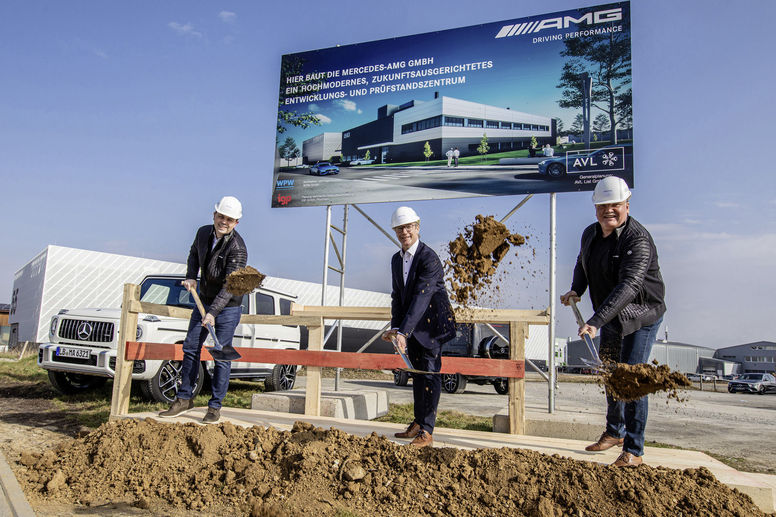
x: 605, y: 442
x: 412, y: 431
x: 627, y: 459
x: 423, y: 439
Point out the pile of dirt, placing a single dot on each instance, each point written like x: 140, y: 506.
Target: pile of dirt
x: 474, y: 256
x: 309, y: 471
x: 632, y: 381
x: 244, y: 280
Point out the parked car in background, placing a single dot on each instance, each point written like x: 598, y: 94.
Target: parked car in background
x: 324, y: 169
x: 609, y: 159
x: 81, y: 353
x: 760, y: 383
x: 362, y: 161
x: 471, y: 340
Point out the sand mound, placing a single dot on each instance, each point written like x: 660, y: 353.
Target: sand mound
x: 229, y: 470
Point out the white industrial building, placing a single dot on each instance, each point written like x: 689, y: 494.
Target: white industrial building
x: 322, y: 147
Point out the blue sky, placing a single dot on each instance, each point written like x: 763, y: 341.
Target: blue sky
x: 122, y: 123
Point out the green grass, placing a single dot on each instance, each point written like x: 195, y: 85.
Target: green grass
x: 403, y: 414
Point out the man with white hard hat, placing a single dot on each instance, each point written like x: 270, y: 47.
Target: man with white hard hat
x: 618, y: 262
x: 217, y: 251
x: 421, y: 320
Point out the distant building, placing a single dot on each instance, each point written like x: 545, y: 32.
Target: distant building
x: 321, y: 147
x: 5, y: 329
x: 680, y: 357
x: 757, y: 357
x: 400, y: 132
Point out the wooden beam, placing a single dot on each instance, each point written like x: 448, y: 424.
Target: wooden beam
x: 518, y: 333
x: 257, y: 319
x: 137, y: 306
x: 122, y: 379
x: 462, y: 315
x: 312, y: 401
x: 462, y: 365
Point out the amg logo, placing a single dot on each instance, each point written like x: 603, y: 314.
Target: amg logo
x: 563, y: 22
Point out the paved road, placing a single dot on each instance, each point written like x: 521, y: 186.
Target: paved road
x: 733, y: 425
x: 374, y: 184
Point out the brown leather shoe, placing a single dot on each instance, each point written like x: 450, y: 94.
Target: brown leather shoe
x: 627, y: 459
x: 412, y: 431
x: 423, y: 439
x: 605, y: 442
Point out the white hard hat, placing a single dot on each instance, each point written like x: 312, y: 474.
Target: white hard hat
x: 404, y: 215
x: 611, y: 189
x: 230, y: 206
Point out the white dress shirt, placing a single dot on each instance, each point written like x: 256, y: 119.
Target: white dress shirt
x: 407, y: 257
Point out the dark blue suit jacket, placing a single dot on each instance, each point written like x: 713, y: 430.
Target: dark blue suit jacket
x: 421, y: 309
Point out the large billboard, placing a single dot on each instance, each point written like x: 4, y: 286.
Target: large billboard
x: 493, y: 109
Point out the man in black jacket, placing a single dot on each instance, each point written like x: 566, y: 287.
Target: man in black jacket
x: 421, y: 320
x: 618, y: 262
x: 217, y: 251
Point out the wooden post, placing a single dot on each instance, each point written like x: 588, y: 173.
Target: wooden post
x: 122, y: 379
x: 312, y: 401
x: 518, y: 332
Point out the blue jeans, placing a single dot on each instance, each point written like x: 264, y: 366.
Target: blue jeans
x: 630, y: 418
x: 226, y: 323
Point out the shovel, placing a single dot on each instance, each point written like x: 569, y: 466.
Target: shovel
x: 219, y: 353
x: 409, y: 368
x: 596, y: 362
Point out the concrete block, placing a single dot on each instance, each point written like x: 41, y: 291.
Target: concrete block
x: 568, y: 428
x: 352, y: 405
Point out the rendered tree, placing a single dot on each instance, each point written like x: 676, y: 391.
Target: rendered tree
x: 427, y: 152
x: 366, y: 156
x: 559, y: 126
x: 286, y: 116
x: 578, y: 126
x: 534, y: 142
x: 606, y: 58
x: 483, y: 148
x: 289, y: 150
x: 601, y: 123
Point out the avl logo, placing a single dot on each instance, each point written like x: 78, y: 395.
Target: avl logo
x: 284, y: 184
x: 284, y: 200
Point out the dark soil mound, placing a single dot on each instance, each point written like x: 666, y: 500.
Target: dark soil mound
x: 633, y: 381
x: 244, y: 280
x: 475, y: 254
x: 312, y: 472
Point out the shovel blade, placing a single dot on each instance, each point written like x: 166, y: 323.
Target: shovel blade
x: 227, y: 353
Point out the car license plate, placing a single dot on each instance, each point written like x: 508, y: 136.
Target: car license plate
x: 79, y: 353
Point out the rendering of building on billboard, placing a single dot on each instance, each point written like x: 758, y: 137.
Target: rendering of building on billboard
x: 514, y: 98
x: 399, y: 133
x: 322, y: 147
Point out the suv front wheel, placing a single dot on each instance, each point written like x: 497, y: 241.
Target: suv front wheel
x: 163, y: 387
x: 453, y: 383
x: 70, y: 383
x: 282, y: 378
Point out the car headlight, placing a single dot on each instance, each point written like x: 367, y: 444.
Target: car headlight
x: 139, y: 333
x: 53, y: 328
x: 756, y: 386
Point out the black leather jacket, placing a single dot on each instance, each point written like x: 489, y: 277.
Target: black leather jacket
x: 230, y: 256
x: 638, y: 299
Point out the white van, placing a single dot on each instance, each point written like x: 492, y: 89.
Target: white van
x: 81, y: 353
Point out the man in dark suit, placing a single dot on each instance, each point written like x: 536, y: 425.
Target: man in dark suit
x: 421, y: 320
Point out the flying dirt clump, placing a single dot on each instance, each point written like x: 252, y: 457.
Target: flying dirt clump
x: 628, y: 382
x: 244, y: 280
x: 474, y: 256
x: 225, y: 470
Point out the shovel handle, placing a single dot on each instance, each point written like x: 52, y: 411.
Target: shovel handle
x: 197, y: 301
x: 577, y: 314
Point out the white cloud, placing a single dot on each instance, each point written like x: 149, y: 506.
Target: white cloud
x: 726, y: 204
x: 314, y: 107
x: 346, y: 104
x: 323, y: 119
x: 186, y: 29
x: 227, y: 16
x: 100, y: 54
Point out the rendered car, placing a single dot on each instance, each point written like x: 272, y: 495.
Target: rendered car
x: 362, y: 161
x: 609, y: 159
x: 324, y: 169
x: 759, y: 383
